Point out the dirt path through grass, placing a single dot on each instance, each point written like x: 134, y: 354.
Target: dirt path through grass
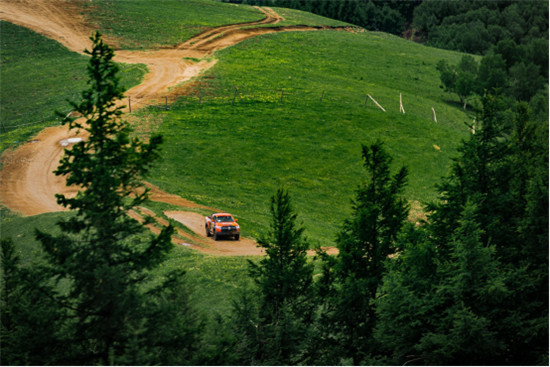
x: 27, y: 184
x: 59, y: 20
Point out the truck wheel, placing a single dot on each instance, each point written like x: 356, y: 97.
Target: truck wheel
x: 237, y: 237
x: 216, y: 236
x: 207, y: 231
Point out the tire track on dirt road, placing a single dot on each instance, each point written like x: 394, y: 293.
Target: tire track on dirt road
x: 27, y: 183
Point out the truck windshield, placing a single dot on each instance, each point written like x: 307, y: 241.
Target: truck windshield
x: 224, y: 219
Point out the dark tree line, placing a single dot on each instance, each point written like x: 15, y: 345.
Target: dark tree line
x: 514, y: 73
x: 471, y: 26
x: 476, y: 26
x: 468, y: 286
x: 392, y: 16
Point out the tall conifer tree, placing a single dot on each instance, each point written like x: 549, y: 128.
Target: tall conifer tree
x: 480, y: 288
x: 284, y: 278
x: 30, y: 319
x: 102, y: 252
x: 366, y: 240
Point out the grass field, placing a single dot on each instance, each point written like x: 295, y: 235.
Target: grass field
x: 140, y: 24
x: 38, y: 77
x: 298, y: 17
x: 214, y: 280
x: 234, y: 149
x: 144, y: 24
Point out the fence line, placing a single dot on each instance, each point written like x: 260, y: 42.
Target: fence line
x: 234, y: 95
x: 238, y: 94
x: 165, y: 107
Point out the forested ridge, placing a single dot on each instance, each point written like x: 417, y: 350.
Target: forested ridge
x: 468, y: 285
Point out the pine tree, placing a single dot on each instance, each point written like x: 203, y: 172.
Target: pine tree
x: 284, y: 279
x: 472, y: 285
x: 366, y: 240
x: 476, y: 175
x: 525, y: 250
x: 102, y: 252
x: 284, y: 275
x: 30, y: 319
x: 480, y: 292
x: 443, y: 310
x: 402, y: 314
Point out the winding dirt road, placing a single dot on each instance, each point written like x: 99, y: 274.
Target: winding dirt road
x: 27, y: 183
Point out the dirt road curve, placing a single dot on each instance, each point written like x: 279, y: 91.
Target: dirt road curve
x: 27, y: 184
x: 195, y: 222
x: 59, y: 20
x: 230, y: 247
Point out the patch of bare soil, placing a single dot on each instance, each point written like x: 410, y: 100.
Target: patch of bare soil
x: 57, y: 19
x: 27, y: 183
x: 243, y: 247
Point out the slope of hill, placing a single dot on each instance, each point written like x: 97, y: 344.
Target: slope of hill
x: 320, y: 125
x: 146, y: 24
x: 234, y: 155
x: 238, y: 143
x: 154, y: 23
x: 42, y: 75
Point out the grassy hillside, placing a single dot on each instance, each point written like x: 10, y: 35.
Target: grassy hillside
x: 298, y: 17
x: 234, y: 149
x: 143, y: 24
x: 38, y: 76
x: 150, y: 23
x: 215, y: 280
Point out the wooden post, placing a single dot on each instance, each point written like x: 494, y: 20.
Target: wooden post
x: 382, y: 108
x: 3, y: 126
x: 234, y: 96
x: 129, y: 105
x: 166, y: 103
x: 435, y: 116
x: 282, y: 94
x: 200, y: 100
x: 322, y: 95
x: 401, y: 109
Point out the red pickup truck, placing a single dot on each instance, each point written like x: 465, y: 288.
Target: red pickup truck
x: 221, y: 225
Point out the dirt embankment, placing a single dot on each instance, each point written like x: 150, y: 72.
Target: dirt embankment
x: 27, y: 183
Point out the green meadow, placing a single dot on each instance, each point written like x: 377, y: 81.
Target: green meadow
x: 298, y: 17
x: 284, y: 109
x: 145, y: 24
x: 215, y: 280
x: 38, y: 76
x: 261, y: 123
